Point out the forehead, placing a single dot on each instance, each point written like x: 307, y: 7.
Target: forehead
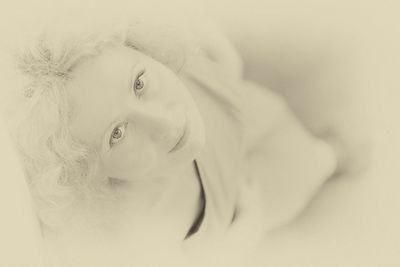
x: 96, y: 91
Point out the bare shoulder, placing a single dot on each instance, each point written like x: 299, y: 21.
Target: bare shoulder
x: 287, y: 162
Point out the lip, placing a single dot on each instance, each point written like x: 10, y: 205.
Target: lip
x: 183, y: 139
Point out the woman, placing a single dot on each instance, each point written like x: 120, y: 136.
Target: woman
x: 122, y: 139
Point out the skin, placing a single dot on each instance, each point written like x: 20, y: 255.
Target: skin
x: 132, y: 111
x: 134, y: 119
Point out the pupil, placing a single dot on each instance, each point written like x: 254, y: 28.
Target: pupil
x: 117, y: 133
x: 139, y: 84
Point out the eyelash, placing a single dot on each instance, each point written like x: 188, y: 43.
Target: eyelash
x: 139, y: 78
x: 138, y: 93
x: 122, y: 128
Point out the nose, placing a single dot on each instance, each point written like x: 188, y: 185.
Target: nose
x: 163, y: 124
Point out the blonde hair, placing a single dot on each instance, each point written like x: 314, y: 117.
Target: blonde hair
x: 60, y: 169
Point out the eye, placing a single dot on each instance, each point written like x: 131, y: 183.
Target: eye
x: 139, y: 84
x: 117, y: 134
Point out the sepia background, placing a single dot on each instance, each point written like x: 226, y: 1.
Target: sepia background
x: 336, y: 63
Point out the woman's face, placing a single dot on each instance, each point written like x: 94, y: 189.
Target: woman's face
x: 136, y: 113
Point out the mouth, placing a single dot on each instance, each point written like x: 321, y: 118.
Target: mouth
x: 182, y: 139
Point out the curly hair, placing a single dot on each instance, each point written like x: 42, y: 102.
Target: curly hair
x: 61, y: 170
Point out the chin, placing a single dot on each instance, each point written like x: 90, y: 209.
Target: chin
x: 194, y: 144
x: 195, y: 149
x: 188, y: 153
x: 197, y: 140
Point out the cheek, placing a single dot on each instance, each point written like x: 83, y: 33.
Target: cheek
x: 128, y: 162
